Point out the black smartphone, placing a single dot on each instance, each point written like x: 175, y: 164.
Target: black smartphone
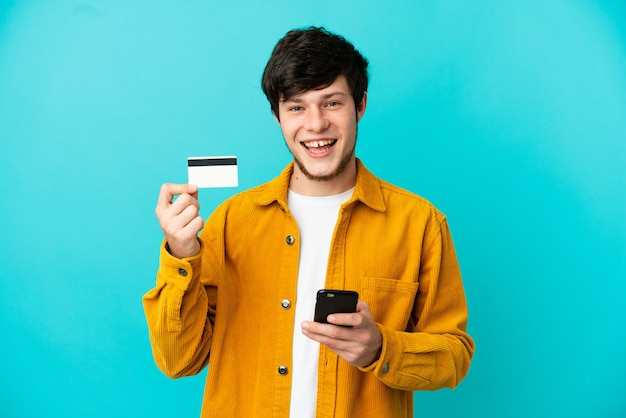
x: 334, y: 301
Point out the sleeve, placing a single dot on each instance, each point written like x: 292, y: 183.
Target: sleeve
x: 180, y: 314
x: 436, y: 353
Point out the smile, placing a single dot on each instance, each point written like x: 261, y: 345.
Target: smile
x: 319, y: 146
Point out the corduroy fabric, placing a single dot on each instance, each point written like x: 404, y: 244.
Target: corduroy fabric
x: 223, y: 306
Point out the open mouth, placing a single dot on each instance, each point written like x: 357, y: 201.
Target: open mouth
x: 319, y: 147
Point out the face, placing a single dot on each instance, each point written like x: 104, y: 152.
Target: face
x: 320, y: 130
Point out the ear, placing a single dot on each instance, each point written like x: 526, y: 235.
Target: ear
x: 360, y: 109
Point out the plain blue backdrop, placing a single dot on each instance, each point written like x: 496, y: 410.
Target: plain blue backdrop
x: 509, y: 116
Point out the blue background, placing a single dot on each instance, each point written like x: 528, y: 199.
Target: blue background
x: 508, y: 116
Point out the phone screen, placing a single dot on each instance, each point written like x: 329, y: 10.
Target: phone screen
x: 334, y: 301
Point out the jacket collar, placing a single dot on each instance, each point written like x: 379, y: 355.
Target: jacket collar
x: 367, y: 189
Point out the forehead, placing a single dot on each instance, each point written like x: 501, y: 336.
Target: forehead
x: 339, y: 87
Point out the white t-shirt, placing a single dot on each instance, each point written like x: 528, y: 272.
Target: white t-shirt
x: 316, y: 218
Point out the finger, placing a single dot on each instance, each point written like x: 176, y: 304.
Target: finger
x: 363, y: 308
x: 325, y: 332
x: 169, y: 211
x: 333, y: 337
x: 352, y: 320
x: 182, y: 202
x: 359, y: 346
x: 187, y: 216
x: 169, y: 190
x: 183, y: 242
x: 190, y: 230
x: 178, y: 217
x: 178, y: 214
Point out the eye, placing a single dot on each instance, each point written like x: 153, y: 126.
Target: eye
x: 295, y: 108
x: 333, y: 104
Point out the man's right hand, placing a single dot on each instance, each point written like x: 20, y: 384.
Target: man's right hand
x: 180, y: 220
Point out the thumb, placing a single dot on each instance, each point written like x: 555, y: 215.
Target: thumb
x: 363, y: 308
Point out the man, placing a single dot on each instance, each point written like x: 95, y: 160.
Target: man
x: 240, y: 298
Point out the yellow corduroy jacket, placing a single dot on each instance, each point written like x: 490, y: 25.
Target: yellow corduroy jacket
x: 231, y: 306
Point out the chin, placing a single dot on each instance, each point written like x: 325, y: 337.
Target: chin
x: 322, y: 174
x: 325, y: 171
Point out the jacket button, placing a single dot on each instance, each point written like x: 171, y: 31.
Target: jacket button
x: 182, y: 272
x: 285, y: 303
x: 385, y: 368
x: 282, y: 370
x: 290, y: 239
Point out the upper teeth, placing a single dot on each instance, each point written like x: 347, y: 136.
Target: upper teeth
x: 317, y: 144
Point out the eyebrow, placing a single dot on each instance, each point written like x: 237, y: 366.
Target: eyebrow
x: 326, y: 96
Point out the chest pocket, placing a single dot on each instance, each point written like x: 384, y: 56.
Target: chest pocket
x: 391, y: 301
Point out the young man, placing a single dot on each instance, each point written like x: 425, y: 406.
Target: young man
x: 241, y: 296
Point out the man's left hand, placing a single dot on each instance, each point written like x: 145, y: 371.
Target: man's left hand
x: 359, y: 345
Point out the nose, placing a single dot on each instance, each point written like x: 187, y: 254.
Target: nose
x: 316, y: 120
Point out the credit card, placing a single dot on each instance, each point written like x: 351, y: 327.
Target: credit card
x: 207, y: 172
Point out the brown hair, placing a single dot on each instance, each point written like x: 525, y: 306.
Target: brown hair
x: 311, y: 58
